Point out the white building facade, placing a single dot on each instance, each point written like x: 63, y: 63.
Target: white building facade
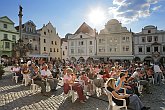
x: 82, y: 44
x: 149, y: 45
x: 64, y: 47
x: 114, y: 42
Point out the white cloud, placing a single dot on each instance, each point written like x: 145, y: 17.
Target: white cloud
x: 156, y: 8
x: 128, y: 11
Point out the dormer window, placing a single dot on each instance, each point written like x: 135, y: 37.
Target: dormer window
x: 5, y: 26
x: 44, y: 33
x: 155, y: 38
x: 149, y: 31
x: 80, y: 36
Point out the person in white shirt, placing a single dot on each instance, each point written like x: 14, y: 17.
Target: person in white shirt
x: 17, y: 71
x: 45, y: 72
x: 157, y: 74
x: 136, y: 76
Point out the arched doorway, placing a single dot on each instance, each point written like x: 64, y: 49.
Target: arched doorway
x: 89, y: 60
x: 81, y: 59
x: 148, y: 60
x: 73, y: 59
x: 136, y: 59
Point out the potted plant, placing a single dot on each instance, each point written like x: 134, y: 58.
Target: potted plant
x: 1, y: 71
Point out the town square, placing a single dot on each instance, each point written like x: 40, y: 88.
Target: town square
x: 82, y: 55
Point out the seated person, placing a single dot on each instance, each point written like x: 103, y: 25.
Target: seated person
x: 26, y: 71
x: 45, y: 72
x: 69, y: 80
x: 121, y: 84
x: 17, y: 70
x: 136, y: 77
x: 86, y: 81
x: 38, y: 79
x: 99, y: 81
x: 132, y: 101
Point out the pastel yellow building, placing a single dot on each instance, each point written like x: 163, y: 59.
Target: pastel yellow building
x: 50, y: 42
x: 114, y: 42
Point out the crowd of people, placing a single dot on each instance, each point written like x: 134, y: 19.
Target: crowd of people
x: 112, y: 75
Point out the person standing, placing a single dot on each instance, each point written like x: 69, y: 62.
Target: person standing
x: 157, y: 74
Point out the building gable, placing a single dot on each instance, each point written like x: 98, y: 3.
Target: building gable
x: 80, y: 36
x: 6, y: 20
x: 86, y: 29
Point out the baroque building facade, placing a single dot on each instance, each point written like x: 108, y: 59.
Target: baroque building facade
x: 30, y: 38
x: 82, y: 44
x: 149, y: 45
x: 114, y: 42
x: 64, y: 49
x: 50, y: 42
x: 8, y: 37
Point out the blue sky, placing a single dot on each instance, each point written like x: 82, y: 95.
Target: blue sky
x: 68, y: 15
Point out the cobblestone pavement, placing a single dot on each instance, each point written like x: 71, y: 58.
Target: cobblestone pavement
x: 18, y: 97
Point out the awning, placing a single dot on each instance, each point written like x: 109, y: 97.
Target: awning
x: 39, y: 56
x: 122, y: 57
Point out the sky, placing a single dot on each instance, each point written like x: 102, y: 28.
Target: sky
x: 67, y: 15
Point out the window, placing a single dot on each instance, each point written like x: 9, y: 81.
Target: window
x: 44, y: 40
x: 80, y: 36
x: 5, y: 26
x: 101, y: 41
x: 63, y: 53
x: 149, y: 38
x: 5, y: 36
x: 110, y: 49
x: 143, y: 39
x: 123, y: 38
x: 140, y: 49
x: 123, y: 48
x: 44, y: 33
x: 90, y: 42
x: 148, y: 49
x: 13, y: 37
x: 115, y: 39
x: 54, y: 50
x: 7, y: 45
x: 115, y: 49
x: 79, y: 50
x: 44, y: 48
x: 52, y: 42
x: 57, y: 50
x: 90, y: 50
x: 55, y: 43
x: 101, y: 49
x: 48, y: 30
x: 36, y: 47
x: 127, y: 39
x: 127, y: 48
x: 66, y: 47
x: 149, y: 31
x: 82, y: 43
x: 50, y: 49
x: 155, y: 49
x: 13, y: 45
x: 72, y: 43
x: 155, y: 38
x: 164, y: 48
x: 72, y: 51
